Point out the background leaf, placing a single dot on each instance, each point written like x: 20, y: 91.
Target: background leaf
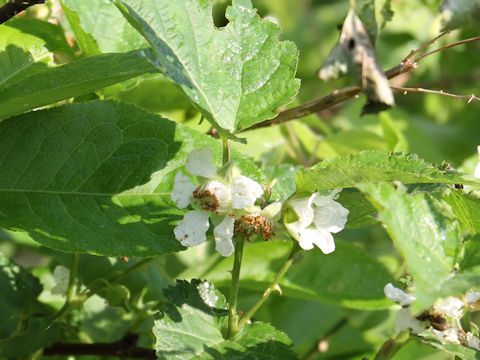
x: 313, y: 276
x: 237, y: 75
x: 459, y: 13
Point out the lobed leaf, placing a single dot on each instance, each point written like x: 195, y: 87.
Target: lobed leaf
x: 96, y: 177
x: 191, y: 325
x: 238, y: 75
x: 373, y: 166
x: 427, y: 239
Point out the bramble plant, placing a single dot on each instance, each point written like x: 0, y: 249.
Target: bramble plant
x: 169, y: 189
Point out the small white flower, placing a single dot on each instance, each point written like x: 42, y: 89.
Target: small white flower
x: 223, y: 234
x: 405, y: 321
x: 449, y: 335
x: 397, y: 295
x: 477, y: 169
x: 472, y: 341
x: 245, y: 192
x: 61, y: 275
x: 199, y: 162
x: 451, y: 306
x: 191, y: 231
x: 183, y: 189
x: 318, y: 217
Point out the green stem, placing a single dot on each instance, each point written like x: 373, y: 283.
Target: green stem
x: 226, y: 150
x: 272, y: 287
x: 233, y: 296
x: 72, y: 279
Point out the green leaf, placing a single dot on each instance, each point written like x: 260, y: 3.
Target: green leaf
x: 96, y: 177
x: 19, y: 291
x: 466, y: 207
x: 86, y: 42
x: 458, y: 350
x: 191, y: 325
x: 237, y: 75
x: 459, y: 13
x: 75, y: 78
x: 422, y: 229
x: 372, y: 166
x: 100, y: 27
x: 314, y: 276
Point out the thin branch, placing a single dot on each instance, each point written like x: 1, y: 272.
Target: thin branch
x: 424, y: 46
x: 476, y: 38
x: 125, y: 348
x: 339, y: 96
x: 405, y: 90
x: 13, y: 7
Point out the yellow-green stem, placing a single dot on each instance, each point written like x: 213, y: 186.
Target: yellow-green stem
x: 226, y: 150
x: 72, y: 279
x: 233, y: 296
x: 272, y: 287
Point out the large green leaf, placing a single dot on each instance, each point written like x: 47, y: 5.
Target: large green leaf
x: 460, y: 351
x: 73, y: 79
x: 314, y: 276
x: 98, y: 25
x: 192, y: 326
x: 428, y: 239
x: 237, y: 75
x: 372, y: 166
x: 96, y: 177
x: 19, y: 291
x: 466, y: 207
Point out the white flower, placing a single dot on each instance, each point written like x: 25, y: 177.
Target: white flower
x: 397, y: 295
x: 451, y: 306
x: 472, y: 297
x: 472, y: 341
x: 223, y: 234
x: 405, y: 321
x: 245, y: 192
x: 191, y: 231
x: 213, y: 196
x: 477, y: 169
x: 318, y: 217
x: 182, y: 190
x: 199, y: 162
x: 61, y: 275
x: 449, y: 335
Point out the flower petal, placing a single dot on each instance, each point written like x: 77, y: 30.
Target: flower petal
x: 303, y: 209
x: 398, y: 295
x: 191, y: 231
x: 451, y: 306
x: 199, y: 162
x: 61, y: 275
x: 330, y: 216
x: 405, y: 321
x: 221, y: 193
x: 182, y: 190
x: 223, y: 234
x: 245, y: 192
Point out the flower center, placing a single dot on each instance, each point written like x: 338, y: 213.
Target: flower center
x: 206, y: 200
x: 249, y: 225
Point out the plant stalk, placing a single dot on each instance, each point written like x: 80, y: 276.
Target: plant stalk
x: 226, y: 150
x: 272, y: 287
x: 72, y: 279
x: 233, y: 296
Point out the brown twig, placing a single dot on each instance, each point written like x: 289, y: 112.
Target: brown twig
x: 13, y: 7
x: 339, y: 96
x: 470, y: 98
x: 125, y: 348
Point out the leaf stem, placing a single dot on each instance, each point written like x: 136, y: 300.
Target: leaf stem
x: 72, y: 278
x: 233, y: 296
x: 226, y: 150
x: 405, y: 90
x: 273, y: 285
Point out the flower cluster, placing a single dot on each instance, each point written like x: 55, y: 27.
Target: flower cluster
x: 441, y: 319
x: 222, y: 201
x: 318, y: 217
